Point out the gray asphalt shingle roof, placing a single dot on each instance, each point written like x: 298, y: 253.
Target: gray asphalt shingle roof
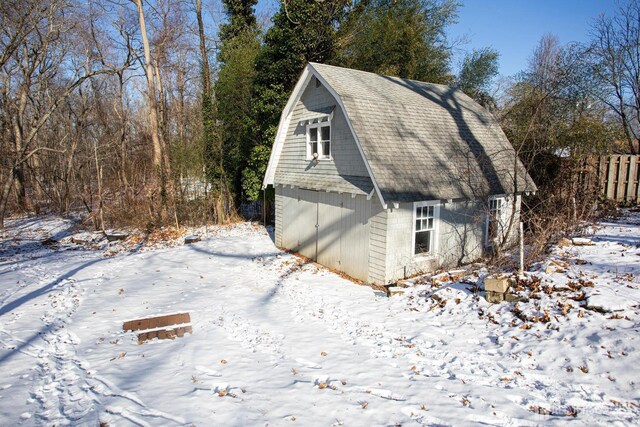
x: 425, y: 141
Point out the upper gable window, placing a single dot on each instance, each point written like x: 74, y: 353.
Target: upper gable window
x: 319, y: 138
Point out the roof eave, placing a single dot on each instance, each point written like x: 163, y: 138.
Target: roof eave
x: 285, y: 118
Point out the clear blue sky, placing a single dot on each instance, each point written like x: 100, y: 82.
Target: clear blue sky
x: 514, y: 27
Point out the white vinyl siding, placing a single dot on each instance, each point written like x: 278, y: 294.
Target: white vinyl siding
x: 378, y: 243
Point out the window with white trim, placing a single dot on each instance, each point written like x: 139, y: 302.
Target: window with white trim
x: 425, y: 224
x: 495, y: 219
x: 319, y: 138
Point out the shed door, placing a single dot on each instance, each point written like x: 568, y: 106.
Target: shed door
x: 290, y: 218
x: 354, y: 240
x: 305, y: 222
x: 330, y: 228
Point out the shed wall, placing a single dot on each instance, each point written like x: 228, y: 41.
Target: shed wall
x: 279, y: 210
x: 378, y: 243
x: 461, y: 237
x: 375, y: 245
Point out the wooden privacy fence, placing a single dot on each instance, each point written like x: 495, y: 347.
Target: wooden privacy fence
x: 619, y: 178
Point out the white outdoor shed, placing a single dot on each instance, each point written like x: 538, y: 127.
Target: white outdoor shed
x: 382, y: 178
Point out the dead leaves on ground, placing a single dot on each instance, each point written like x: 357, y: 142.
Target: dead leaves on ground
x: 569, y: 412
x: 517, y: 312
x: 534, y: 288
x: 224, y: 392
x: 325, y: 384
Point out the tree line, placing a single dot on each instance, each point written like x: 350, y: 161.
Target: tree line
x: 149, y: 112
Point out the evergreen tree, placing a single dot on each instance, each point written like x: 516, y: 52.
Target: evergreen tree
x: 241, y: 18
x: 240, y: 44
x: 403, y: 38
x: 302, y: 31
x: 478, y: 69
x: 212, y: 153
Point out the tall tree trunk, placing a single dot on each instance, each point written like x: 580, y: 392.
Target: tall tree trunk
x: 99, y: 221
x: 66, y: 199
x: 6, y: 192
x: 37, y: 183
x: 213, y: 146
x: 120, y: 110
x: 206, y: 72
x: 154, y: 125
x: 162, y: 120
x: 18, y: 142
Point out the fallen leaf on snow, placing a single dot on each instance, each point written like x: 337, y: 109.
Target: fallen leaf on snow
x: 119, y: 356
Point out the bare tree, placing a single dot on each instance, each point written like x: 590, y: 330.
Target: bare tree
x: 39, y: 78
x: 153, y: 78
x: 615, y: 67
x: 75, y: 132
x: 555, y: 124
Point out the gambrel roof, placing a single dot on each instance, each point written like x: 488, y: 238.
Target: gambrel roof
x: 419, y: 141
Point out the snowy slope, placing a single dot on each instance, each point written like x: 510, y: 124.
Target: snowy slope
x: 277, y: 341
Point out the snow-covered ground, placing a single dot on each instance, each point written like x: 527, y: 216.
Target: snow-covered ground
x: 277, y: 341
